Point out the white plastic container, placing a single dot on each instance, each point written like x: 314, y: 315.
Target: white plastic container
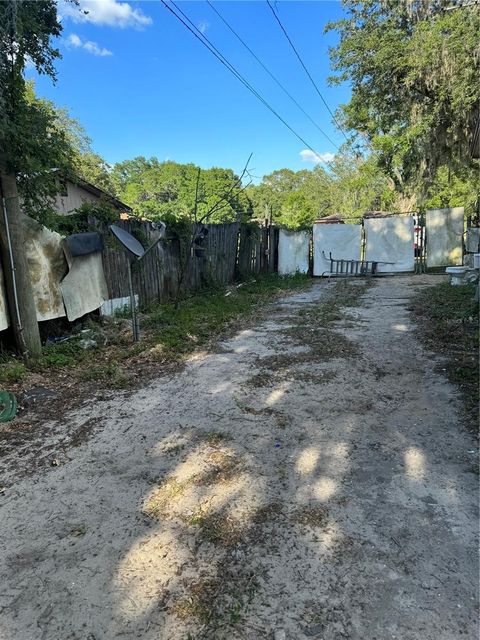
x: 476, y: 260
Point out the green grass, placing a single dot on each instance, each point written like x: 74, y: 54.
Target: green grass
x: 109, y: 373
x: 449, y: 321
x: 12, y: 372
x: 123, y: 312
x: 172, y: 332
x: 61, y: 354
x: 179, y: 331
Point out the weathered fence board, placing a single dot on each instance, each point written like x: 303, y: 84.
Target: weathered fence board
x: 250, y: 250
x: 156, y: 277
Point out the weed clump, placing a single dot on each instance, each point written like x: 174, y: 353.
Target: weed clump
x: 160, y: 502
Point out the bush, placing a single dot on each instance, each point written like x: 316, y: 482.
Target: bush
x: 14, y: 372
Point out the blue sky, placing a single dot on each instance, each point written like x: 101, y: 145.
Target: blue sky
x: 141, y: 84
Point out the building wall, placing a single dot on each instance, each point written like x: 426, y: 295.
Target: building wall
x: 66, y: 205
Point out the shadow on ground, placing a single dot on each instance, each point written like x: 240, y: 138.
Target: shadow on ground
x: 311, y: 475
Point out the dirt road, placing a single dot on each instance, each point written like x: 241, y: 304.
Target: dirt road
x: 302, y: 481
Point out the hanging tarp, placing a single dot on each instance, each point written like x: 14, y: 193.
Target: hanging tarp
x: 47, y: 266
x: 390, y: 240
x: 293, y: 252
x: 60, y: 288
x: 343, y: 241
x: 444, y: 237
x: 81, y: 244
x: 78, y: 296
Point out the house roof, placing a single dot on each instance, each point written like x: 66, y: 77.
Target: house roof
x: 100, y: 193
x: 334, y: 218
x: 96, y: 191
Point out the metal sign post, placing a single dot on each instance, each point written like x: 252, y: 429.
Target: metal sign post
x: 136, y: 253
x: 133, y: 305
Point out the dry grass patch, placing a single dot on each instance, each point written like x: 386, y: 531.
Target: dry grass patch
x: 268, y: 378
x: 314, y: 516
x: 224, y: 467
x: 200, y: 600
x: 279, y: 416
x: 323, y: 343
x: 315, y: 378
x: 218, y: 602
x: 342, y: 501
x: 264, y: 411
x: 267, y: 513
x: 160, y: 502
x: 262, y: 379
x: 215, y: 438
x: 218, y: 528
x: 312, y: 330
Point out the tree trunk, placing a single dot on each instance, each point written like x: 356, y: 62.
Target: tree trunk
x: 23, y: 315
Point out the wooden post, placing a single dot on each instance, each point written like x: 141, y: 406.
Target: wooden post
x: 23, y: 315
x: 264, y: 247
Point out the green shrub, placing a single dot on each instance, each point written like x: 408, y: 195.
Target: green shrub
x: 12, y: 372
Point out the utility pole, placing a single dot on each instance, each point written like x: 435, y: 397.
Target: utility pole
x: 21, y: 304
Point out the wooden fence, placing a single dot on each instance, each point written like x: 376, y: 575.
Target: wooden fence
x: 231, y: 250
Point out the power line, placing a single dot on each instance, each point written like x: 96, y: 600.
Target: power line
x: 274, y: 78
x: 305, y: 68
x: 211, y: 47
x: 218, y: 54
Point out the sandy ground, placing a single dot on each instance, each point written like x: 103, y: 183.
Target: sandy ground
x: 262, y: 490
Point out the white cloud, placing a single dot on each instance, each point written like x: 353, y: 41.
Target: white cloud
x: 203, y: 26
x: 309, y: 156
x: 110, y: 13
x: 92, y: 47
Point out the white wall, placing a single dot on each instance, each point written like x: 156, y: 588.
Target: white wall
x: 343, y: 241
x: 390, y: 240
x: 75, y: 198
x: 444, y: 237
x: 293, y: 252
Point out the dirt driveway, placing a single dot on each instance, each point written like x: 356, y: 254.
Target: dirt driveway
x: 296, y: 482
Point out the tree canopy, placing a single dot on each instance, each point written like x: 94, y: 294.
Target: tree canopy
x: 26, y: 32
x: 349, y: 186
x: 167, y: 190
x: 413, y: 70
x: 61, y: 143
x: 413, y: 66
